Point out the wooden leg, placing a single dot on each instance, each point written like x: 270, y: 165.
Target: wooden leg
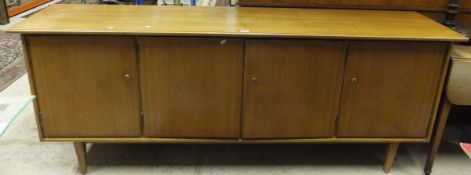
x: 437, y: 137
x: 81, y: 151
x: 390, y: 155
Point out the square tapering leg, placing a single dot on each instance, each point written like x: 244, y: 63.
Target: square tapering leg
x: 437, y: 137
x: 390, y: 155
x: 81, y: 151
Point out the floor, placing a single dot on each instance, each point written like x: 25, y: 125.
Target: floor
x: 22, y: 153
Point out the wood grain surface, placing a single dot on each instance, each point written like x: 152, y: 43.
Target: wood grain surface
x: 390, y: 88
x: 240, y: 22
x: 80, y: 85
x: 292, y: 88
x: 235, y: 141
x: 391, y: 151
x: 81, y: 152
x: 191, y: 87
x: 32, y: 85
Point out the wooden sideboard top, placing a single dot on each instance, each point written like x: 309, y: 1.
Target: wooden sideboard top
x: 239, y: 22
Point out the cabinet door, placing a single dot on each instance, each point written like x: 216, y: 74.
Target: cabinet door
x: 81, y: 87
x: 292, y: 88
x: 390, y: 88
x: 191, y: 87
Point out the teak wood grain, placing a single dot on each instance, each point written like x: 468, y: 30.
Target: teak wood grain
x: 81, y: 152
x: 292, y: 88
x: 80, y: 85
x: 32, y: 85
x: 391, y: 150
x: 243, y: 21
x: 235, y: 141
x: 394, y: 90
x: 445, y: 107
x: 191, y: 87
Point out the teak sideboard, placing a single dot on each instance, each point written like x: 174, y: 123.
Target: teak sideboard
x: 113, y: 74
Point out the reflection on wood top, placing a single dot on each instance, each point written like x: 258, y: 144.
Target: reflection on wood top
x: 242, y: 21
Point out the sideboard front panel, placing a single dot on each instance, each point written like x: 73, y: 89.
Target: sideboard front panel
x: 202, y: 88
x: 292, y: 88
x: 191, y: 87
x: 390, y: 89
x: 87, y: 86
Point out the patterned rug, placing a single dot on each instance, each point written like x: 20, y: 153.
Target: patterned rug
x: 12, y: 65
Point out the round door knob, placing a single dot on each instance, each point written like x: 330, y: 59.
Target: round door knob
x: 254, y: 80
x: 222, y: 42
x: 354, y: 80
x: 126, y: 76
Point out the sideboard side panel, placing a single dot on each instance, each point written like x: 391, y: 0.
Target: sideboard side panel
x: 32, y: 85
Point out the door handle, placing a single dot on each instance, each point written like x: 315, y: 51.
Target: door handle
x: 126, y: 76
x: 354, y: 80
x: 255, y: 80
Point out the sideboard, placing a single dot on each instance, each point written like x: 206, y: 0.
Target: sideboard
x: 234, y: 75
